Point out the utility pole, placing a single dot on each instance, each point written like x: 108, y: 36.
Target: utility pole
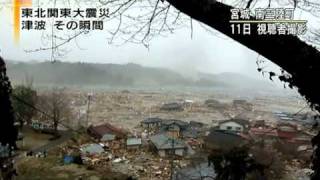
x: 172, y: 158
x: 88, y: 108
x: 79, y: 118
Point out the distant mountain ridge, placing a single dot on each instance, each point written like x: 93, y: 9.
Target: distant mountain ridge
x: 66, y: 73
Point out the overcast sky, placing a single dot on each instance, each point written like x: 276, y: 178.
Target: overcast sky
x: 205, y: 52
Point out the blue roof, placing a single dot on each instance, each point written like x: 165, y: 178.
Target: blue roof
x: 152, y: 120
x: 134, y: 141
x: 108, y: 137
x: 162, y: 141
x: 92, y: 149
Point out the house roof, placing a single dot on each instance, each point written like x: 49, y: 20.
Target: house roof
x: 196, y: 124
x: 92, y: 149
x: 173, y: 124
x: 174, y: 121
x: 172, y: 106
x: 162, y: 141
x: 242, y: 122
x: 240, y: 101
x: 190, y: 133
x: 134, y: 141
x: 152, y: 120
x: 211, y: 101
x: 108, y: 137
x: 106, y: 128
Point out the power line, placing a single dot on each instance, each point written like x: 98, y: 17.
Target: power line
x: 298, y: 112
x: 30, y: 105
x: 42, y: 112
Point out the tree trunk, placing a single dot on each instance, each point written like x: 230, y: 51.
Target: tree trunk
x: 8, y: 132
x: 55, y: 123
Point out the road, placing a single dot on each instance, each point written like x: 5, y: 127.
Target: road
x: 65, y: 135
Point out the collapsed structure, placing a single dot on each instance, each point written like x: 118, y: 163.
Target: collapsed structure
x: 165, y: 145
x: 105, y: 132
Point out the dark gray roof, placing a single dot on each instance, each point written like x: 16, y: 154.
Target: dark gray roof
x: 211, y: 101
x: 173, y: 124
x: 240, y: 101
x: 162, y: 141
x: 108, y: 137
x: 152, y: 120
x: 172, y: 107
x: 175, y: 121
x: 196, y: 124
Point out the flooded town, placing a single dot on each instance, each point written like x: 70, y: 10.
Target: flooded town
x: 159, y: 90
x: 166, y: 134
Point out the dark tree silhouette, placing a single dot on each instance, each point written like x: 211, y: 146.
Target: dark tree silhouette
x: 24, y: 113
x: 8, y: 132
x: 235, y: 164
x: 55, y: 103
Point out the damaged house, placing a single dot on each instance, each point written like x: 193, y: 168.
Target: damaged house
x: 165, y: 145
x: 133, y: 143
x: 153, y: 122
x: 172, y: 107
x: 106, y: 132
x: 234, y: 125
x: 173, y: 128
x: 92, y: 149
x: 292, y: 134
x: 194, y: 130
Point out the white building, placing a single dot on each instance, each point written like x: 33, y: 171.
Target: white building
x: 236, y: 125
